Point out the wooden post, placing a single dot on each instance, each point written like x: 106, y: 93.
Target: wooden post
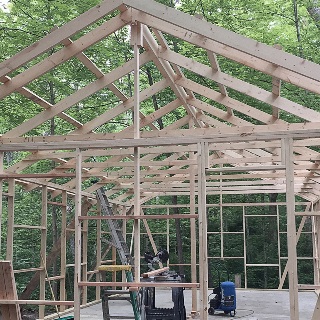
x: 1, y: 205
x: 63, y: 250
x: 193, y: 236
x: 287, y: 146
x: 202, y: 221
x: 77, y: 235
x: 244, y: 247
x: 84, y: 267
x: 11, y: 197
x: 99, y: 248
x: 43, y: 250
x: 136, y: 41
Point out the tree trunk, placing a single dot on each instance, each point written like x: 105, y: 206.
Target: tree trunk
x: 314, y: 11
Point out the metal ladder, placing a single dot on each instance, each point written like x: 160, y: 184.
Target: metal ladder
x: 120, y: 244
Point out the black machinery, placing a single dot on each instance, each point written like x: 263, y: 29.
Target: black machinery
x: 224, y: 297
x: 148, y: 309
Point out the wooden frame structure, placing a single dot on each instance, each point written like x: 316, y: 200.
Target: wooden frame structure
x: 218, y: 144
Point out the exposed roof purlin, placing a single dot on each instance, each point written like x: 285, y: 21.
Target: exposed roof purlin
x: 233, y: 54
x: 57, y: 36
x: 167, y: 72
x: 227, y: 38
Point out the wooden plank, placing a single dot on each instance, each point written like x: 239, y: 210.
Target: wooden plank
x: 226, y: 101
x: 246, y: 168
x: 57, y: 36
x: 45, y: 104
x: 228, y: 38
x: 202, y: 223
x: 8, y: 291
x: 61, y: 56
x: 308, y: 213
x: 167, y: 72
x: 161, y: 138
x: 36, y: 302
x: 154, y: 272
x: 291, y: 230
x: 10, y: 229
x: 75, y: 97
x: 241, y: 86
x: 122, y: 107
x: 137, y: 217
x: 1, y: 199
x: 161, y: 284
x: 77, y: 238
x: 230, y: 53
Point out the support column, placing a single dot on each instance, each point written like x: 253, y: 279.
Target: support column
x: 43, y: 250
x: 11, y: 197
x: 202, y: 220
x: 1, y: 204
x: 77, y: 235
x: 136, y: 42
x: 193, y: 236
x: 287, y: 146
x: 63, y: 258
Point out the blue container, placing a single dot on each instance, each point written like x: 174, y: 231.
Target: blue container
x: 228, y: 296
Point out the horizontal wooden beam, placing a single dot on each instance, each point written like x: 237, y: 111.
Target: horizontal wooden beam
x: 147, y: 216
x: 161, y: 284
x: 39, y: 302
x: 246, y: 168
x: 35, y: 175
x: 308, y: 213
x: 163, y: 138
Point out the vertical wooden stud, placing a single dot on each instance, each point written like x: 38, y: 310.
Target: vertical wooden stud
x: 193, y: 236
x: 99, y: 248
x: 1, y: 204
x: 77, y: 263
x: 287, y: 144
x: 43, y: 249
x: 63, y: 258
x: 11, y: 198
x: 84, y: 266
x: 202, y: 220
x: 136, y: 34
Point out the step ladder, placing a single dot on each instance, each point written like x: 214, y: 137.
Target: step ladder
x: 117, y: 237
x: 126, y: 259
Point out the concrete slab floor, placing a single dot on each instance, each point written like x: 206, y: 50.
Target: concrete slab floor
x: 251, y: 305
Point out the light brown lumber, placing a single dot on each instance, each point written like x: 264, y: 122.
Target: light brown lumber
x: 61, y: 56
x: 287, y: 147
x: 167, y: 72
x: 35, y: 175
x: 163, y: 137
x: 154, y: 272
x: 246, y: 168
x: 241, y: 86
x: 226, y: 101
x: 8, y: 291
x: 161, y: 284
x: 147, y: 216
x: 76, y: 97
x: 227, y: 38
x: 53, y: 254
x: 308, y: 213
x: 229, y: 52
x: 37, y: 302
x: 57, y: 36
